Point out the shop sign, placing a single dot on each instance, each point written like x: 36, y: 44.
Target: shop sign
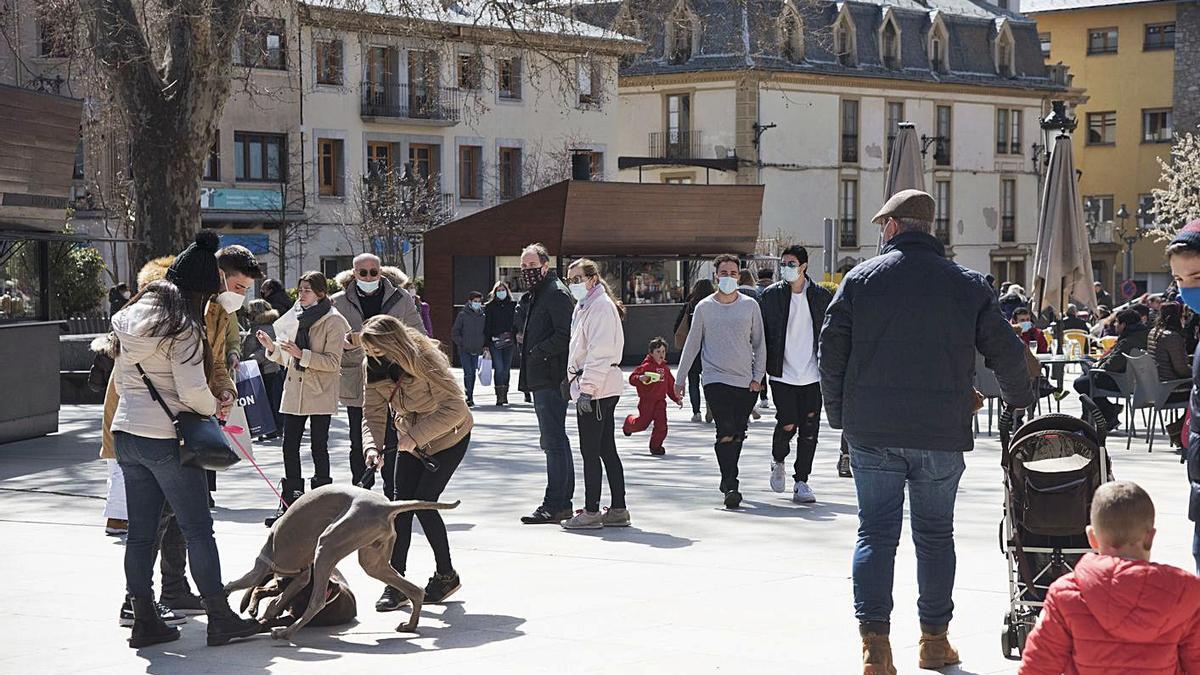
x: 240, y: 199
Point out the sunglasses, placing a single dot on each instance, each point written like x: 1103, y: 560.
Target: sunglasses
x: 368, y: 273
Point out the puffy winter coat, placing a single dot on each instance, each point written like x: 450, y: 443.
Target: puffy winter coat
x: 314, y: 390
x: 546, y: 334
x: 1114, y: 616
x: 597, y: 343
x: 396, y: 302
x: 431, y: 409
x: 897, y: 355
x: 776, y: 302
x: 175, y: 367
x: 655, y: 391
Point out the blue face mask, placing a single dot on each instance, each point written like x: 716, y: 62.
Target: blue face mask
x: 475, y: 305
x: 1025, y: 325
x: 501, y: 294
x: 1190, y: 297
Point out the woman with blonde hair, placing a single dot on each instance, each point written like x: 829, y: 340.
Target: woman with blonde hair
x: 594, y: 370
x: 408, y: 373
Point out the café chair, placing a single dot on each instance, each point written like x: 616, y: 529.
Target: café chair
x: 1154, y: 394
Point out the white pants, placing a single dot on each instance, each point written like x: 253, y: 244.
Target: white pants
x: 115, y: 507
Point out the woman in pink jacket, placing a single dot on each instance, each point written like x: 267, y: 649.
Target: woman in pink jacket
x: 594, y: 370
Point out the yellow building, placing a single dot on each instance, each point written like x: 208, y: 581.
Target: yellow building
x: 1123, y: 54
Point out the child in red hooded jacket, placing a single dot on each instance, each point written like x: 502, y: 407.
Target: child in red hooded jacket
x: 654, y: 383
x: 1117, y: 612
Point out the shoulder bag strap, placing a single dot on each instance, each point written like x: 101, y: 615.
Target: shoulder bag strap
x: 155, y: 395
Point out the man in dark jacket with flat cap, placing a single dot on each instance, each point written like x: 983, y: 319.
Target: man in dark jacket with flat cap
x: 897, y: 363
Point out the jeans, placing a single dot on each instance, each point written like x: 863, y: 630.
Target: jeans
x: 470, y: 365
x: 413, y: 481
x: 358, y: 463
x: 694, y: 387
x: 798, y: 407
x: 551, y: 410
x: 731, y: 407
x: 1103, y: 381
x: 598, y: 445
x: 293, y: 433
x: 154, y: 476
x: 501, y: 366
x: 880, y: 475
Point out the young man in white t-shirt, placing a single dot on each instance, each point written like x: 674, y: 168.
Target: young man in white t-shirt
x: 793, y: 311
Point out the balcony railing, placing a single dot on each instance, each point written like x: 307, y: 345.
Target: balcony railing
x: 411, y: 101
x: 675, y: 144
x: 1105, y: 233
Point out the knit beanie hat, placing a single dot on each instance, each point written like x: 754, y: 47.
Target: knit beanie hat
x: 196, y: 268
x: 1189, y: 235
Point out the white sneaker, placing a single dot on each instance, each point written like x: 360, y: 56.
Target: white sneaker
x: 582, y: 520
x: 765, y: 404
x: 802, y: 494
x: 697, y: 418
x: 778, y: 477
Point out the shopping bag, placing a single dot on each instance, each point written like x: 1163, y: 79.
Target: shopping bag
x: 253, y: 399
x: 485, y: 371
x: 238, y: 432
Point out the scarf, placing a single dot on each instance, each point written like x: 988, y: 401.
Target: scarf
x: 308, y: 317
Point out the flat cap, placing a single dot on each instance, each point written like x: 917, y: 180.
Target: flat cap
x: 907, y: 204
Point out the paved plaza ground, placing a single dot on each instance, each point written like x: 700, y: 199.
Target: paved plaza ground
x: 690, y: 588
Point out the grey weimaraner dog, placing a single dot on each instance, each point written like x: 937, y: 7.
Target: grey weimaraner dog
x: 319, y: 530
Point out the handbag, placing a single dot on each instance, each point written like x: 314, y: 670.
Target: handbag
x: 202, y: 443
x: 681, y: 331
x: 502, y: 341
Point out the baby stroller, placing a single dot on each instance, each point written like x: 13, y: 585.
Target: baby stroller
x: 1052, y: 467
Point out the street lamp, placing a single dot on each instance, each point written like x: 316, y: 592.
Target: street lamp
x: 1130, y: 237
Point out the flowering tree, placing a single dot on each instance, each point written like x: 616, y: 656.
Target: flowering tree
x: 1179, y: 202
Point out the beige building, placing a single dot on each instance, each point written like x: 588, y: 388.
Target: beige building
x: 805, y: 98
x: 486, y: 107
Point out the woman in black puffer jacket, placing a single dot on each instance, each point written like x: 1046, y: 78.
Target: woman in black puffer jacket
x: 500, y: 334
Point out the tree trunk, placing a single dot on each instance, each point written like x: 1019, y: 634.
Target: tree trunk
x: 168, y: 205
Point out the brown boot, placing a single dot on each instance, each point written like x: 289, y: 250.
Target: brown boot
x: 936, y: 651
x: 877, y: 655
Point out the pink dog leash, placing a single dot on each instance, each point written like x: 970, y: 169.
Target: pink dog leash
x: 233, y: 431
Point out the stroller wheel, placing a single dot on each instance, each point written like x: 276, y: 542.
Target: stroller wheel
x: 1006, y: 638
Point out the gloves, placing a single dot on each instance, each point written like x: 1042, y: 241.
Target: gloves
x: 584, y: 403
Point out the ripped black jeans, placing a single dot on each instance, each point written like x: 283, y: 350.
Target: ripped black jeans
x: 798, y: 407
x: 731, y: 408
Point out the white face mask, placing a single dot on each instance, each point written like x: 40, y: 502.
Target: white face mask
x: 727, y: 285
x: 231, y: 301
x: 580, y: 291
x: 368, y: 287
x: 789, y: 274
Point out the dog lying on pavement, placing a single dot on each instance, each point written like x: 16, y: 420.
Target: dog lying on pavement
x: 319, y: 530
x: 341, y: 607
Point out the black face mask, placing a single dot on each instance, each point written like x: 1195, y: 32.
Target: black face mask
x: 380, y: 368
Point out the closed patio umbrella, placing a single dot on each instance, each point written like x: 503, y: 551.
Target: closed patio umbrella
x: 1062, y: 264
x: 906, y: 170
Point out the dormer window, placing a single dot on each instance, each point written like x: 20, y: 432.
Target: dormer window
x: 627, y: 24
x: 791, y: 35
x: 844, y: 44
x: 1005, y: 53
x: 889, y: 42
x: 939, y: 41
x: 681, y: 35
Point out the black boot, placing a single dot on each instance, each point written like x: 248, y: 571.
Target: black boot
x: 224, y: 625
x: 316, y: 482
x: 291, y: 491
x: 148, y: 626
x: 501, y: 395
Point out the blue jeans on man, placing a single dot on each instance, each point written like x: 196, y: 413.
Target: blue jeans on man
x: 470, y: 366
x: 880, y: 476
x: 551, y: 410
x: 154, y: 476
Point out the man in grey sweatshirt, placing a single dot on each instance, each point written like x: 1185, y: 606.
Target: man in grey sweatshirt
x: 726, y: 334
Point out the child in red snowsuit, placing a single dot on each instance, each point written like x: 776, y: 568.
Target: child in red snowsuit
x: 654, y: 384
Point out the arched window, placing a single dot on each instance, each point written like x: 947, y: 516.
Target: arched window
x: 791, y: 35
x: 844, y: 42
x: 939, y: 43
x: 681, y: 35
x: 1005, y: 52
